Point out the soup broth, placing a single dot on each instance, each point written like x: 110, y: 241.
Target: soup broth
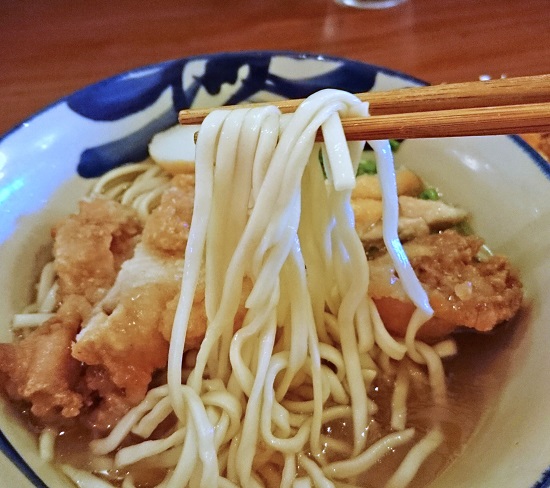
x: 474, y: 378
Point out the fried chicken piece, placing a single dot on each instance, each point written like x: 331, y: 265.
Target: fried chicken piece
x: 134, y: 291
x: 128, y: 342
x: 129, y: 332
x: 167, y: 228
x: 463, y: 290
x: 196, y: 328
x: 90, y: 247
x: 437, y: 214
x: 144, y: 268
x: 107, y: 402
x: 416, y: 217
x: 40, y: 370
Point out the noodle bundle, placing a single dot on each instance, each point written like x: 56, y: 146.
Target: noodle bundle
x: 253, y: 407
x: 253, y: 320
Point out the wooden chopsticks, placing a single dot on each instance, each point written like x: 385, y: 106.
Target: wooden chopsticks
x: 504, y: 106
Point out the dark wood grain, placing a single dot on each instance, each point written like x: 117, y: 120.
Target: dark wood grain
x: 49, y: 49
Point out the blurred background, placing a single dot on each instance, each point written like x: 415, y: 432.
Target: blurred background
x: 48, y: 49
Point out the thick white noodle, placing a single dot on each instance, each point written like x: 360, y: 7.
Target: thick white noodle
x: 139, y: 185
x: 45, y: 285
x: 414, y: 458
x: 390, y: 346
x: 360, y: 464
x: 26, y: 320
x: 254, y: 401
x: 386, y: 175
x: 132, y: 454
x: 399, y: 399
x: 83, y: 479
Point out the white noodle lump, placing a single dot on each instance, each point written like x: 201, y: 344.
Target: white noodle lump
x: 253, y: 408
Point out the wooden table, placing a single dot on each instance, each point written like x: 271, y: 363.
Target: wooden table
x: 50, y: 48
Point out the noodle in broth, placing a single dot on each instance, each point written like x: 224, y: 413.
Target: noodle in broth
x: 260, y: 364
x: 257, y: 406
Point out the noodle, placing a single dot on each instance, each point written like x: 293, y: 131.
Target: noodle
x: 408, y: 468
x: 139, y: 185
x: 241, y: 165
x: 255, y: 406
x: 399, y: 400
x: 361, y: 463
x: 83, y: 479
x: 281, y: 256
x: 46, y: 444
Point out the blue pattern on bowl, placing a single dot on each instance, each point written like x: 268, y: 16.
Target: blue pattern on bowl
x: 137, y: 90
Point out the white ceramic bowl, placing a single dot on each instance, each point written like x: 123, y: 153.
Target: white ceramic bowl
x: 46, y: 163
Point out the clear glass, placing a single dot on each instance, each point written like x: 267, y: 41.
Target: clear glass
x: 370, y: 3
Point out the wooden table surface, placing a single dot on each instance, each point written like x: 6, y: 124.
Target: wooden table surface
x: 50, y: 48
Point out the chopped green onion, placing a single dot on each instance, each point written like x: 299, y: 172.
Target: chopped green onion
x: 322, y: 163
x: 366, y: 167
x: 394, y: 144
x: 429, y: 194
x: 464, y: 228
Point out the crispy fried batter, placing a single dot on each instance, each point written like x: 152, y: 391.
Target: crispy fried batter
x: 131, y: 341
x: 39, y: 369
x: 463, y: 290
x: 368, y: 186
x: 167, y: 228
x: 90, y: 247
x: 126, y: 339
x: 417, y: 217
x: 106, y: 404
x: 146, y: 280
x: 128, y: 342
x: 196, y: 328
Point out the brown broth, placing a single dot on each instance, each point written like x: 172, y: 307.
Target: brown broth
x: 72, y: 447
x: 475, y: 376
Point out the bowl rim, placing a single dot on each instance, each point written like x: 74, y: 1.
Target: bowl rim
x: 13, y: 456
